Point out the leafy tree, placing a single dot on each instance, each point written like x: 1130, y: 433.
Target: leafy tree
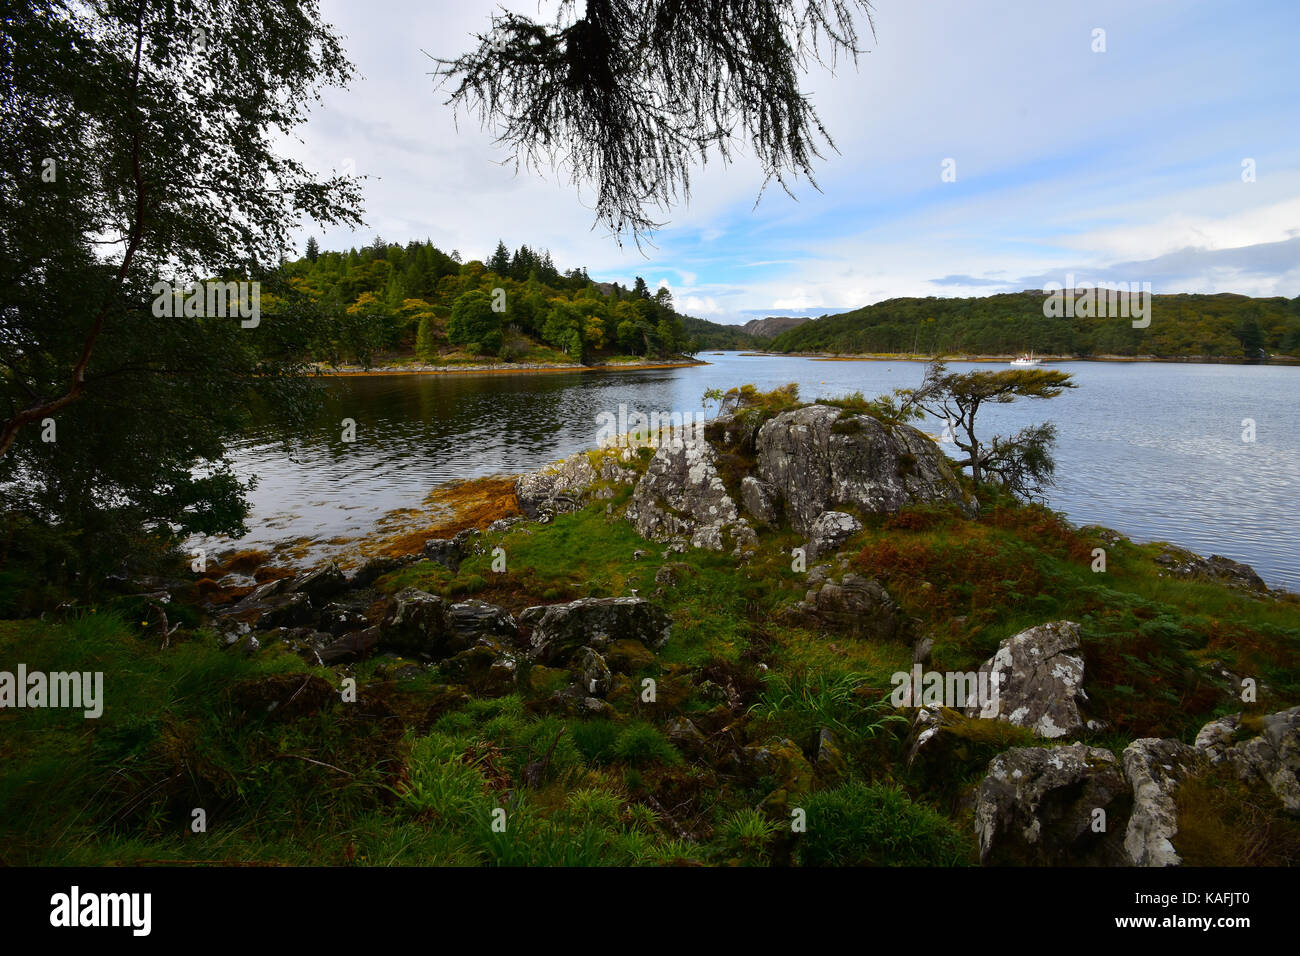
x: 1248, y: 334
x: 424, y: 339
x: 1022, y: 462
x: 632, y: 93
x: 474, y: 323
x: 139, y: 144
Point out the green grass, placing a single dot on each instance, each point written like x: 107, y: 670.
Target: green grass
x: 400, y: 779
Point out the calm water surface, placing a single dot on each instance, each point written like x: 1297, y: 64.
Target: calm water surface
x: 1153, y: 450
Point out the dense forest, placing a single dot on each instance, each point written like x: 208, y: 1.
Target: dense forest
x: 414, y: 300
x: 1213, y: 326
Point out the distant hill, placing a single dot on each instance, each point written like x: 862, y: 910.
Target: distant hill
x: 717, y: 337
x: 772, y: 326
x: 1181, y: 325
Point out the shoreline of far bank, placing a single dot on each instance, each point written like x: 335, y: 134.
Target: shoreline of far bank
x: 350, y: 371
x: 908, y: 357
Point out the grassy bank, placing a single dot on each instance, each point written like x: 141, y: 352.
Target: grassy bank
x: 288, y: 772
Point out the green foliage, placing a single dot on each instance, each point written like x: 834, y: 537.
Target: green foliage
x: 800, y: 704
x: 640, y: 743
x: 596, y: 740
x: 474, y: 323
x: 857, y: 824
x: 1023, y: 463
x: 146, y: 404
x: 747, y: 836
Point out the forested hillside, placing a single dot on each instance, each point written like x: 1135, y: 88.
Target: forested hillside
x: 418, y: 302
x: 1220, y: 326
x: 715, y: 336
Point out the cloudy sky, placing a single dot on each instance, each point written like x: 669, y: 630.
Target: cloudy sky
x: 1123, y: 165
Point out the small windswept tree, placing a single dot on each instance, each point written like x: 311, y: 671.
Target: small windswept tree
x: 1022, y: 462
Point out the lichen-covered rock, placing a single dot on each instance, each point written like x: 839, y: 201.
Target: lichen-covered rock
x: 829, y: 530
x: 574, y: 703
x: 782, y: 763
x: 856, y: 606
x: 1155, y: 767
x: 1272, y: 756
x: 1182, y: 563
x: 1035, y: 680
x: 1038, y: 806
x: 681, y: 496
x: 595, y: 673
x: 684, y: 735
x: 760, y: 500
x: 563, y: 487
x: 830, y: 762
x: 819, y: 458
x: 560, y: 629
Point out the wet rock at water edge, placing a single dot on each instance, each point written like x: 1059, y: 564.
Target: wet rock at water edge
x: 1181, y: 563
x: 320, y: 584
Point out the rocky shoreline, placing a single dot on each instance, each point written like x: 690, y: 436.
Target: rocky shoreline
x: 816, y: 475
x: 503, y: 368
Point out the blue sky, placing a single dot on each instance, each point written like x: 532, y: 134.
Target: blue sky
x: 1123, y: 165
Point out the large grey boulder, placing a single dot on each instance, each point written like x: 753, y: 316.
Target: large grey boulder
x: 819, y: 458
x: 1155, y: 768
x: 1036, y: 681
x: 681, y: 496
x: 1039, y: 806
x: 561, y: 629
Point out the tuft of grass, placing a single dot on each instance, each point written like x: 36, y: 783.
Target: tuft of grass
x: 857, y: 824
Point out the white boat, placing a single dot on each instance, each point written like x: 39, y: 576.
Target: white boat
x: 1025, y: 361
